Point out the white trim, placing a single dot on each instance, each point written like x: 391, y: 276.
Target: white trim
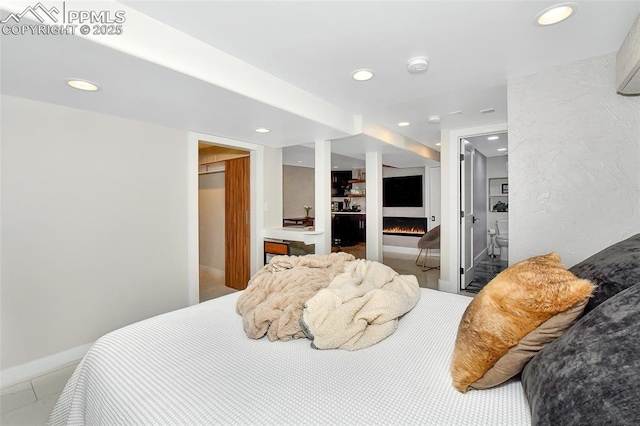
x: 322, y: 196
x: 193, y: 238
x: 373, y: 226
x: 450, y: 197
x: 402, y: 250
x: 38, y: 367
x: 450, y: 213
x: 256, y: 199
x: 484, y: 254
x: 443, y: 283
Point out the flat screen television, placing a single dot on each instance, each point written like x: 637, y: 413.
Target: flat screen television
x: 402, y: 191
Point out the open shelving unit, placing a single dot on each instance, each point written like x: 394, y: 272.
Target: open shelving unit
x: 357, y: 185
x: 498, y: 191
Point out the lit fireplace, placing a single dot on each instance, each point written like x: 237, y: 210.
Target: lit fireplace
x: 408, y: 226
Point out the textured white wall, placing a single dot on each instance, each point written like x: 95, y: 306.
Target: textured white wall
x: 94, y: 235
x: 211, y: 220
x: 574, y: 161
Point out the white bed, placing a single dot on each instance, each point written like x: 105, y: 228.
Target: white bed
x: 196, y: 366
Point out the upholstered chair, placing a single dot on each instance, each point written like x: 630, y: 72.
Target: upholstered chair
x: 429, y: 241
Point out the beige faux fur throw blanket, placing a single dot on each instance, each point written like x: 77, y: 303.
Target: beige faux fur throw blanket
x: 360, y: 307
x: 273, y: 301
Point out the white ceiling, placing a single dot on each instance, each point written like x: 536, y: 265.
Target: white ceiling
x: 489, y: 148
x: 308, y: 49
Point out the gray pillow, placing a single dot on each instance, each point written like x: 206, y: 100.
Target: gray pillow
x: 612, y: 270
x: 590, y: 375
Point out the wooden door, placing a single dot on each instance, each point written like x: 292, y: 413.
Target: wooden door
x: 237, y: 226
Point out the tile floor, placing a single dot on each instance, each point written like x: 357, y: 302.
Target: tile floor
x: 29, y: 403
x: 404, y: 264
x: 212, y: 286
x: 485, y: 271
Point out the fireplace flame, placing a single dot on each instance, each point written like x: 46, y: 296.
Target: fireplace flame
x: 401, y: 230
x: 409, y: 226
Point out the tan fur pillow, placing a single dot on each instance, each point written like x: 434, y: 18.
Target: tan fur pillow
x: 531, y: 303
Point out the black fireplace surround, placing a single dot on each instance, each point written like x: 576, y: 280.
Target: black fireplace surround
x: 406, y: 226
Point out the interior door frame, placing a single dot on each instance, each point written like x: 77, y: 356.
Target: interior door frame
x: 450, y: 195
x: 256, y: 159
x: 467, y: 221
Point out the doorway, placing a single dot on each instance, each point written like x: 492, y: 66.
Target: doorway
x: 484, y: 201
x: 223, y: 220
x: 450, y: 250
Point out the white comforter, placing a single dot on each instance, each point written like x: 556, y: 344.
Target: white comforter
x: 360, y: 307
x: 197, y: 367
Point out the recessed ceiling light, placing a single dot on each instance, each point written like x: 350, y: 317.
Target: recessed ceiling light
x: 261, y: 130
x: 438, y: 144
x: 487, y: 111
x: 299, y: 161
x: 493, y: 138
x: 454, y: 112
x: 501, y: 149
x: 85, y: 85
x: 362, y: 75
x: 555, y: 14
x: 433, y: 119
x: 403, y: 123
x: 335, y: 167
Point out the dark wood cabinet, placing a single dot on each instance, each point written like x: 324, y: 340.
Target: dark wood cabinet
x: 340, y: 184
x: 348, y: 229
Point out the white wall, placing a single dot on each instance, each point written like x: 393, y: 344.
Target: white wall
x: 211, y: 203
x: 574, y: 155
x: 94, y: 227
x: 374, y: 249
x: 298, y: 190
x: 434, y: 195
x: 269, y: 187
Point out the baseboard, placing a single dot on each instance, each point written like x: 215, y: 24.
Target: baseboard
x: 23, y: 372
x: 447, y: 286
x: 407, y: 250
x: 484, y: 254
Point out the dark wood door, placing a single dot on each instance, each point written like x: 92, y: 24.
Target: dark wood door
x: 237, y: 224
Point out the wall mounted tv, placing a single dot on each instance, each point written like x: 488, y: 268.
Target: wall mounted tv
x: 402, y: 191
